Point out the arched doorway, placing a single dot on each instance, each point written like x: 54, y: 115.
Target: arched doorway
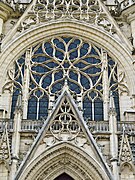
x: 64, y: 158
x: 64, y: 176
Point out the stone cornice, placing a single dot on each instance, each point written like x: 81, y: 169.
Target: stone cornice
x: 5, y: 11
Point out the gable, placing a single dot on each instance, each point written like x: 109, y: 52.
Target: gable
x: 64, y: 124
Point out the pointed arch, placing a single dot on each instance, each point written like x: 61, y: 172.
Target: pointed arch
x: 127, y: 170
x: 64, y: 158
x: 4, y: 169
x: 129, y: 165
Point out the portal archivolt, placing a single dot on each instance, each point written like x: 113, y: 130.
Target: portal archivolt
x: 64, y: 158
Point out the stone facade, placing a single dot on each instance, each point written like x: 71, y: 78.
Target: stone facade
x: 67, y: 89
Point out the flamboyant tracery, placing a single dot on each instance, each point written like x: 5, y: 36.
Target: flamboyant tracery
x: 40, y: 73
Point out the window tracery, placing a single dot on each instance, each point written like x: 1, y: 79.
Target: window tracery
x: 43, y: 69
x: 90, y: 11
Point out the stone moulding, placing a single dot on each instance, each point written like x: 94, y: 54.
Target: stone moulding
x: 64, y: 155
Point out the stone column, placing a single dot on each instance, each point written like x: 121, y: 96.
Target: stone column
x: 1, y: 30
x: 105, y: 84
x: 26, y: 83
x: 6, y: 101
x: 51, y: 103
x: 113, y: 138
x: 5, y: 13
x: 16, y: 137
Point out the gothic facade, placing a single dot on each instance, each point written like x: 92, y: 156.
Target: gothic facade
x: 67, y: 89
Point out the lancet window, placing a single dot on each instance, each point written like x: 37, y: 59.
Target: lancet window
x: 41, y: 72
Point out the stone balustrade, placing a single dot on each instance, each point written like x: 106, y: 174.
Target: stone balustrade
x: 98, y: 126
x: 3, y: 123
x: 31, y: 125
x: 115, y: 8
x: 94, y: 126
x: 128, y: 126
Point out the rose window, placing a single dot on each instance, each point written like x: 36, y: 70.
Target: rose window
x: 40, y: 73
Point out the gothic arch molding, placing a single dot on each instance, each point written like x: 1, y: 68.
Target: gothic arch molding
x: 128, y: 164
x: 127, y: 170
x: 63, y: 157
x: 118, y: 52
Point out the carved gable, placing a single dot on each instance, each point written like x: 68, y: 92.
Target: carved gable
x: 5, y: 155
x: 65, y: 124
x: 125, y: 150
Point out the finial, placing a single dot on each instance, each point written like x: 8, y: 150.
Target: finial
x: 111, y: 102
x: 19, y: 101
x: 65, y: 82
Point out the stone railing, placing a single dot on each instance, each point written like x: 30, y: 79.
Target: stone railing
x: 94, y: 126
x: 115, y: 8
x: 31, y: 125
x: 103, y: 126
x: 128, y: 126
x: 35, y: 125
x: 3, y: 123
x: 98, y: 126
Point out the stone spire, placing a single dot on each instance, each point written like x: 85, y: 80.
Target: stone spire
x: 125, y: 155
x: 5, y: 154
x: 112, y: 109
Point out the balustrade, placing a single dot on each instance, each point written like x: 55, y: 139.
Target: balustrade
x: 94, y: 126
x: 117, y: 5
x: 3, y: 123
x: 128, y: 126
x: 98, y: 126
x: 31, y: 125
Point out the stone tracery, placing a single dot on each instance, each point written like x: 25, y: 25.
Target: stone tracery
x: 38, y: 87
x: 85, y: 10
x: 88, y: 70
